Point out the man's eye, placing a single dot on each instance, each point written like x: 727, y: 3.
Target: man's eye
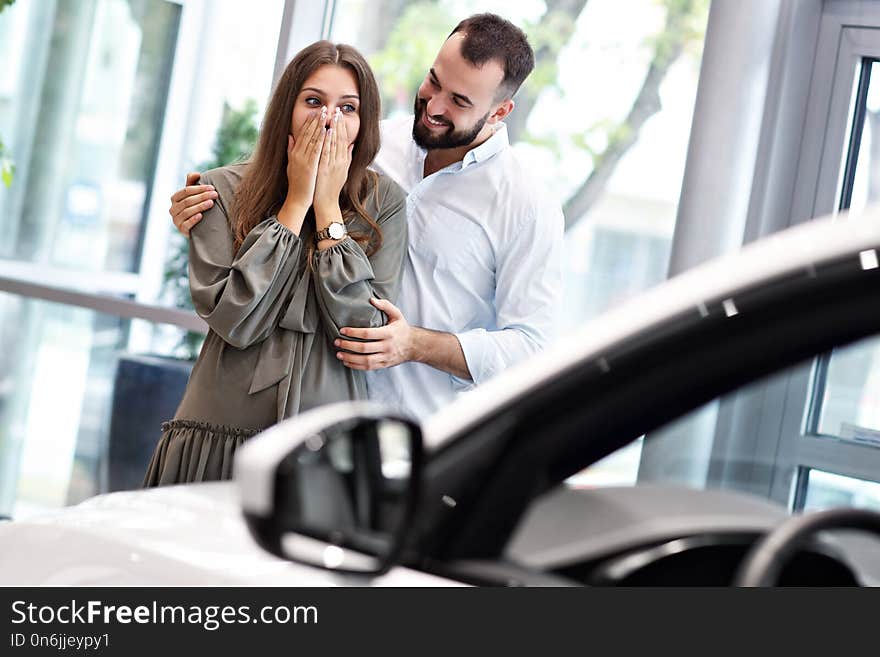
x: 459, y: 103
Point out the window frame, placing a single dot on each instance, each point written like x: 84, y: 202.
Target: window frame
x: 797, y: 176
x: 849, y: 38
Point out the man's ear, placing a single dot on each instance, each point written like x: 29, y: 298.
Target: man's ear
x: 505, y: 108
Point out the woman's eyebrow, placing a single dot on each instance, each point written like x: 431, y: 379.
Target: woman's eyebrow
x: 321, y: 92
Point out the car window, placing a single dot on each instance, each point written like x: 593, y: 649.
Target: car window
x: 717, y: 381
x: 683, y: 503
x: 744, y: 442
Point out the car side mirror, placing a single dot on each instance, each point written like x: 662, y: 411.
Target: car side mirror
x: 335, y: 487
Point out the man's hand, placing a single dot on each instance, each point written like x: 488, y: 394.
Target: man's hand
x: 392, y: 344
x: 397, y: 342
x: 187, y: 204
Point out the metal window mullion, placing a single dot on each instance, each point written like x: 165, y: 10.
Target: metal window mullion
x: 823, y: 362
x: 108, y: 283
x: 839, y: 457
x: 799, y: 492
x: 105, y: 304
x: 819, y: 380
x: 329, y: 17
x: 301, y: 24
x: 855, y: 137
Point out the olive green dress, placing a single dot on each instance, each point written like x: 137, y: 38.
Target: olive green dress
x: 269, y: 353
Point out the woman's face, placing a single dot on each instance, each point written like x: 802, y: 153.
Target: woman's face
x: 329, y: 86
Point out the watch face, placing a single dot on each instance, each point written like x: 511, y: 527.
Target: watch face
x: 337, y: 231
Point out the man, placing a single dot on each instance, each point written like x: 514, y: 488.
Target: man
x: 483, y: 269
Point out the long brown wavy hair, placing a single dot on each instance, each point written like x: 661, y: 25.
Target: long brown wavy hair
x: 263, y: 187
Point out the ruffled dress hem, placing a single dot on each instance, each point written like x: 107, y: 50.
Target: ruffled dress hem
x: 190, y: 451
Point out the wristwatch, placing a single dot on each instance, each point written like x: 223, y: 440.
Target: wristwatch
x: 335, y: 231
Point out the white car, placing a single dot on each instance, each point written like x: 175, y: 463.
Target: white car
x: 482, y: 493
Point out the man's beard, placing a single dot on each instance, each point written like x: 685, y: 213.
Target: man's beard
x: 451, y: 138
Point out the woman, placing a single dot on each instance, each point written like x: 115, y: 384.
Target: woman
x: 298, y: 241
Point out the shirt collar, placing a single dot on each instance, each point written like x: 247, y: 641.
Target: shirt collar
x: 493, y: 145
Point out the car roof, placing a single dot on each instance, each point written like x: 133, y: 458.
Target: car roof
x: 797, y: 249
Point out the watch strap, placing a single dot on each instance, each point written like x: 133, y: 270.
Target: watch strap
x: 324, y: 234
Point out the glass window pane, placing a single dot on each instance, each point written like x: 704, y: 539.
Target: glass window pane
x: 618, y: 469
x: 85, y: 99
x: 234, y: 74
x: 84, y: 103
x: 720, y: 445
x: 866, y: 177
x: 826, y: 490
x: 78, y: 410
x: 84, y: 114
x: 849, y: 391
x: 234, y: 64
x: 850, y: 405
x: 744, y: 444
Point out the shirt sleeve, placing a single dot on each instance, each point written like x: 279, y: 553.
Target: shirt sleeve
x: 241, y: 295
x: 346, y: 278
x: 528, y: 296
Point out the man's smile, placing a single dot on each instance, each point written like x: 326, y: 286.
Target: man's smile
x: 431, y: 123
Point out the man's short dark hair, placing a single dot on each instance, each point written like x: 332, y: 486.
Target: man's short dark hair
x: 489, y: 37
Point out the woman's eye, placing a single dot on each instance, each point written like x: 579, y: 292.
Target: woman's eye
x: 314, y: 102
x: 348, y: 108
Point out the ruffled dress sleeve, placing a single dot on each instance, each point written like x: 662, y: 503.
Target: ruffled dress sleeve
x: 241, y: 295
x: 346, y: 278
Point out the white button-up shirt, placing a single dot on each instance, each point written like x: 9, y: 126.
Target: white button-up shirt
x: 484, y: 263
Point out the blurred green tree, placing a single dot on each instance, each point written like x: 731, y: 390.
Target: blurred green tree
x: 408, y: 51
x: 7, y: 165
x: 235, y: 141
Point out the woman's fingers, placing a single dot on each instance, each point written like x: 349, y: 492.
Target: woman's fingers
x: 334, y: 138
x: 316, y: 130
x: 317, y: 139
x: 324, y: 161
x: 342, y: 140
x: 301, y: 142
